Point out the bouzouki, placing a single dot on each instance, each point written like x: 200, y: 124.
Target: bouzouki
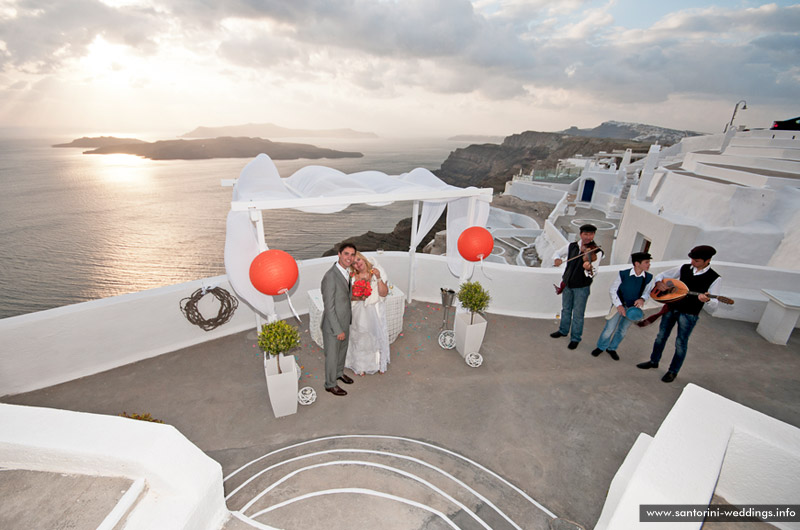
x: 677, y: 290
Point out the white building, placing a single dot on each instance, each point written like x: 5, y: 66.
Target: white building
x: 737, y: 192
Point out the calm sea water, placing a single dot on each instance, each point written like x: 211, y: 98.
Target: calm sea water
x: 80, y: 227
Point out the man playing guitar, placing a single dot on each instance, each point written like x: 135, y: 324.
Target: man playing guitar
x: 699, y: 277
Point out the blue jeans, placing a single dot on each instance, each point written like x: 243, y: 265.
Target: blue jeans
x: 686, y: 324
x: 573, y: 304
x: 614, y: 332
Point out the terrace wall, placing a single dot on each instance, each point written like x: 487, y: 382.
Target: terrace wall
x: 62, y: 344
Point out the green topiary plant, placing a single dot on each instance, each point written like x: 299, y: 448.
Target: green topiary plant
x: 474, y: 297
x: 278, y: 337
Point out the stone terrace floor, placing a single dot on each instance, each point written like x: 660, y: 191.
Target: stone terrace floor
x: 553, y: 422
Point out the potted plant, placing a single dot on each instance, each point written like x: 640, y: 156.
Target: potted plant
x: 275, y: 339
x: 471, y: 327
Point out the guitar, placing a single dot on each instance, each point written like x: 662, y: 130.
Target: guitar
x: 676, y: 290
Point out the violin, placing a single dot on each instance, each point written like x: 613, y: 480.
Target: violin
x: 590, y: 256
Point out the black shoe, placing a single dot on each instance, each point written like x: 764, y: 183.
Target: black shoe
x: 596, y: 352
x: 557, y: 334
x: 345, y: 379
x: 669, y: 377
x: 572, y: 345
x: 648, y: 364
x: 613, y: 354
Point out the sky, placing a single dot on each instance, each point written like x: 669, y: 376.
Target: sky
x: 398, y: 68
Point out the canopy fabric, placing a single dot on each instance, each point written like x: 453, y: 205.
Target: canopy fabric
x: 241, y: 248
x: 319, y: 189
x: 260, y: 182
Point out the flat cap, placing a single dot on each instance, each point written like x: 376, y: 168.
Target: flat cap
x: 702, y: 252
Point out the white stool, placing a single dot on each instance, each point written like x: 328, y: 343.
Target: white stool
x: 780, y: 316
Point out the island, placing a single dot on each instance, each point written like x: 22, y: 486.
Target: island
x: 99, y: 141
x: 224, y: 147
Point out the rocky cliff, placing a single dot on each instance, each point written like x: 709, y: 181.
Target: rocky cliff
x: 491, y: 165
x: 633, y: 131
x: 398, y: 239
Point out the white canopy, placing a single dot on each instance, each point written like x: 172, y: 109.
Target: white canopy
x: 321, y: 189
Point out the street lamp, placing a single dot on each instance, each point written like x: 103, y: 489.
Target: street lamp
x: 744, y: 107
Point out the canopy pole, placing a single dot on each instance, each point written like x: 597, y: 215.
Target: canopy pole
x: 412, y: 249
x: 257, y: 218
x: 470, y: 222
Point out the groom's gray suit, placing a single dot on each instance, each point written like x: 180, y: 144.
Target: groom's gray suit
x: 336, y: 318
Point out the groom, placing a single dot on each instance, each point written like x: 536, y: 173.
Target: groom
x: 336, y: 319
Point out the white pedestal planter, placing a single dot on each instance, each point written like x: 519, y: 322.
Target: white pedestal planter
x: 282, y: 387
x: 469, y: 337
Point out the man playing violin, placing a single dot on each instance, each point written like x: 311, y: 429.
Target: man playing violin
x: 699, y: 277
x: 581, y: 258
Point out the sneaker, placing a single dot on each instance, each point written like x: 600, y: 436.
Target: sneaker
x: 613, y: 354
x: 557, y: 334
x: 596, y: 352
x: 648, y: 364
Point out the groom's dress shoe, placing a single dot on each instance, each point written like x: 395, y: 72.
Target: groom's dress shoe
x: 336, y: 391
x: 346, y: 379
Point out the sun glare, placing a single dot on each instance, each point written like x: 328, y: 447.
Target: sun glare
x: 129, y: 170
x: 104, y: 58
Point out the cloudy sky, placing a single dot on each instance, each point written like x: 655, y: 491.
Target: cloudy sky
x: 396, y: 67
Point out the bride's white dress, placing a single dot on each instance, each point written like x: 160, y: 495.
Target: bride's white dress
x: 368, y: 349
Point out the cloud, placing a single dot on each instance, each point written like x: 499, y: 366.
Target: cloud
x: 529, y: 51
x: 39, y: 37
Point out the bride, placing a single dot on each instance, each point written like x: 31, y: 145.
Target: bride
x: 368, y: 349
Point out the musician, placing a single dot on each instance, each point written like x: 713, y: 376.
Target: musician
x: 581, y: 257
x: 630, y: 288
x: 699, y: 277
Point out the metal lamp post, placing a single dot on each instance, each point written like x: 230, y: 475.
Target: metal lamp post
x: 736, y: 108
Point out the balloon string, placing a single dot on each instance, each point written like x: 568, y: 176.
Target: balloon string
x: 288, y: 299
x: 482, y: 269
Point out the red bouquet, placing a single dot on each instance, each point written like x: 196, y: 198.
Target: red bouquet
x: 361, y: 289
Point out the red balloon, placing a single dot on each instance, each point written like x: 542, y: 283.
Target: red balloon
x: 273, y: 272
x: 475, y: 243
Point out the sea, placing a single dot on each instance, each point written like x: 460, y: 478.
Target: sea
x: 77, y: 227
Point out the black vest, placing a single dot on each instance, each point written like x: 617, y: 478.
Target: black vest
x: 574, y: 276
x: 699, y: 284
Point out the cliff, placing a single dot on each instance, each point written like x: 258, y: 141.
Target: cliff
x: 398, y: 239
x: 491, y: 165
x: 633, y: 131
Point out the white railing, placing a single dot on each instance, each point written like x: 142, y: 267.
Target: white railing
x: 58, y: 345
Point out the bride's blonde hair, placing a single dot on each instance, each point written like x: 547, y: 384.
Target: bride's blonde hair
x: 367, y: 262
